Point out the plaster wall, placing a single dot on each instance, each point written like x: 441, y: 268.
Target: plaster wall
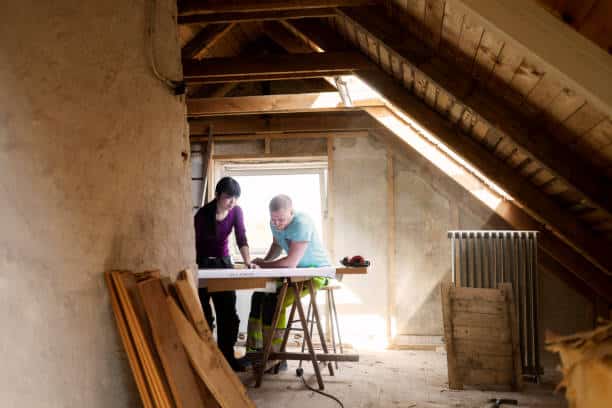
x: 92, y: 177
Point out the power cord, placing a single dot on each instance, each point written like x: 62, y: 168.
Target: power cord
x: 178, y: 87
x: 300, y: 373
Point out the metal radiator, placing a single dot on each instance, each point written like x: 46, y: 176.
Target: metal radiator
x: 484, y: 259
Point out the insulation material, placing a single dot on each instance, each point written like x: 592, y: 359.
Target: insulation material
x: 586, y: 360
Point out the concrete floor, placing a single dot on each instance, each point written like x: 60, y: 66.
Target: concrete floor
x: 395, y: 379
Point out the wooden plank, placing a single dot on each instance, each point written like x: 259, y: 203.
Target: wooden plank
x: 220, y: 285
x: 485, y: 346
x: 191, y: 7
x: 480, y: 320
x: 267, y: 66
x: 265, y: 104
x: 267, y: 15
x: 434, y: 14
x: 485, y: 294
x: 517, y: 380
x: 487, y: 377
x: 486, y: 57
x: 128, y: 345
x: 190, y: 303
x: 584, y: 66
x: 278, y: 123
x: 481, y: 307
x: 451, y: 32
x: 180, y: 377
x: 469, y: 41
x: 454, y: 381
x: 205, y: 39
x: 209, y: 363
x: 475, y: 333
x: 137, y: 325
x: 579, y: 123
x: 477, y: 361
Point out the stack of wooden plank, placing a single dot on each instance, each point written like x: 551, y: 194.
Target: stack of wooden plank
x: 481, y: 335
x: 172, y: 354
x: 587, y: 366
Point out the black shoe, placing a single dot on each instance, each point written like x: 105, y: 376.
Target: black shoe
x: 241, y: 365
x: 281, y: 366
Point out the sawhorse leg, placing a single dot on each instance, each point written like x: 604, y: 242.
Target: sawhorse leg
x: 315, y: 317
x: 268, y: 342
x: 313, y: 356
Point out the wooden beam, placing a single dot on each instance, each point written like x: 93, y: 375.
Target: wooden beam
x: 533, y: 31
x: 204, y: 40
x: 248, y: 105
x: 280, y: 34
x: 191, y: 7
x: 529, y: 135
x: 277, y: 66
x: 284, y: 123
x: 279, y: 136
x: 536, y: 202
x: 263, y: 77
x: 268, y: 15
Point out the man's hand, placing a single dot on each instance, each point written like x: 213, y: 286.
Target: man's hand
x: 252, y: 265
x: 257, y: 261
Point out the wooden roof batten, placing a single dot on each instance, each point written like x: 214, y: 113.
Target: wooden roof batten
x: 537, y: 203
x: 533, y: 138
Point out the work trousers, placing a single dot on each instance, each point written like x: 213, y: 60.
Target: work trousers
x: 263, y: 306
x: 228, y: 322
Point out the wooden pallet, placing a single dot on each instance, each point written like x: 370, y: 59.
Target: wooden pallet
x: 481, y: 335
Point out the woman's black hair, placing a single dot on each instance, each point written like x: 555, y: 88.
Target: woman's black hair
x: 228, y: 186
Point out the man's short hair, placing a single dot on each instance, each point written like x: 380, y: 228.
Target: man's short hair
x: 281, y: 202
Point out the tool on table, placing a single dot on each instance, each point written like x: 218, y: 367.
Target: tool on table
x: 355, y: 261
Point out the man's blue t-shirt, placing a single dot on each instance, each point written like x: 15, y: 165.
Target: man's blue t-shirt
x: 302, y: 229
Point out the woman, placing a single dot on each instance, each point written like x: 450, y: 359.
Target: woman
x: 213, y: 225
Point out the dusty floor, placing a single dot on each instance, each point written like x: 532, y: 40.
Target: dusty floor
x: 395, y: 379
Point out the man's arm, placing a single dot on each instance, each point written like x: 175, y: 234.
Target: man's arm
x: 296, y: 252
x: 274, y: 252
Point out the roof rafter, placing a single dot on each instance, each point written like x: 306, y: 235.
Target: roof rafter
x: 192, y: 7
x: 528, y: 135
x: 536, y: 202
x: 205, y: 39
x: 238, y: 17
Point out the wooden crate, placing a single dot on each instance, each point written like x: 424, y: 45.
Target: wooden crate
x: 481, y: 335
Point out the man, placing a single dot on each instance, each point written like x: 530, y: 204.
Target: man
x: 296, y: 235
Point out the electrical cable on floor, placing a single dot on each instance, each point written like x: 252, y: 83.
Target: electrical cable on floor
x: 300, y: 373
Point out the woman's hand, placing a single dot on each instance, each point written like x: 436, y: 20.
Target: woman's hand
x: 252, y: 265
